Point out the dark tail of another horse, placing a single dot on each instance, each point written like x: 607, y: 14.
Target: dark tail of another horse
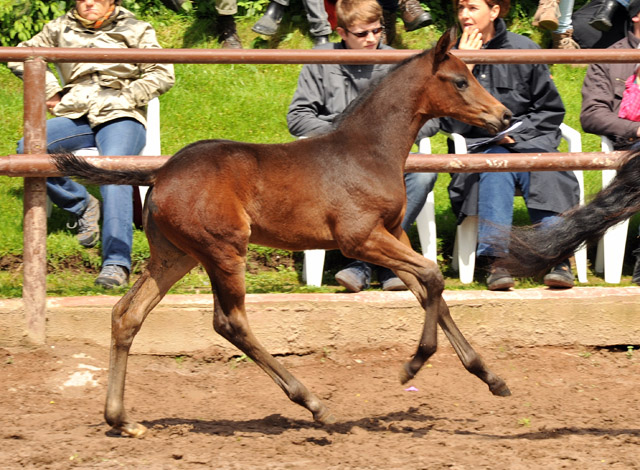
x: 70, y: 165
x: 533, y: 250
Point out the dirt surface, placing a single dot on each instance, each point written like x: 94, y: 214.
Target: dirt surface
x: 570, y: 408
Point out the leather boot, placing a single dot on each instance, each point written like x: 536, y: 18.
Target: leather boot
x: 389, y: 23
x: 564, y: 40
x: 413, y: 15
x: 602, y: 20
x: 547, y: 14
x: 268, y: 24
x: 227, y: 33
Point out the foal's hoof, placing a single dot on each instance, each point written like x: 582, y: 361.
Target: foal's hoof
x: 406, y: 374
x: 501, y: 390
x: 133, y: 430
x: 324, y: 417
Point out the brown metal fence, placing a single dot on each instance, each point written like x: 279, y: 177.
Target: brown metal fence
x: 34, y: 166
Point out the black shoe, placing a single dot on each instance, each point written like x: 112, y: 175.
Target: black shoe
x: 320, y: 40
x: 636, y: 268
x: 355, y: 277
x: 227, y: 33
x: 560, y: 277
x: 268, y: 24
x: 602, y: 20
x: 389, y: 281
x: 499, y: 279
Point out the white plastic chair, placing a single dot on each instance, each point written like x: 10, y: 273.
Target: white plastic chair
x: 610, y: 253
x: 313, y: 264
x: 464, y: 248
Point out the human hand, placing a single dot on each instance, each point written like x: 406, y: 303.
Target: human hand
x: 53, y: 101
x: 506, y: 140
x: 471, y: 39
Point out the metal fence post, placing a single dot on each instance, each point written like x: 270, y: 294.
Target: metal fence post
x: 34, y: 289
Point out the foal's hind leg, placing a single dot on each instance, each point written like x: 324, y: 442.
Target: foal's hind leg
x: 167, y: 265
x: 230, y: 321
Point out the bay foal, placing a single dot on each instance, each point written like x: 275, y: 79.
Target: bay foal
x: 343, y: 190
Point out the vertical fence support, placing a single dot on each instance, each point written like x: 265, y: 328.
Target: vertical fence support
x: 34, y: 289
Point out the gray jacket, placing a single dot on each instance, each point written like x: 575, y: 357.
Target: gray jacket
x: 102, y: 91
x: 325, y: 90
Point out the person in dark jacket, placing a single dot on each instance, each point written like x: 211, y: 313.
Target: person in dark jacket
x: 325, y: 90
x: 602, y: 93
x: 529, y: 92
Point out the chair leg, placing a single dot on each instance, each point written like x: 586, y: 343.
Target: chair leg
x: 464, y: 250
x: 426, y: 223
x: 313, y: 267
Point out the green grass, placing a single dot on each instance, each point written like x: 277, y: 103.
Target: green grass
x: 238, y: 102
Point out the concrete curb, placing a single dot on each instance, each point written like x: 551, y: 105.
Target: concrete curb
x: 302, y: 323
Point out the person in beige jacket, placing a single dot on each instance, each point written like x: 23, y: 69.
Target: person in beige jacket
x: 99, y: 105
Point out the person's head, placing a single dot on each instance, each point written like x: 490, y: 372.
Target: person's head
x: 94, y: 10
x: 480, y: 14
x: 359, y: 23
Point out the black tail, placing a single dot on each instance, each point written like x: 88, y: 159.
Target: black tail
x: 70, y: 165
x: 533, y: 251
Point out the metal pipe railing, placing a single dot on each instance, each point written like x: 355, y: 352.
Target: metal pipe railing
x: 34, y: 284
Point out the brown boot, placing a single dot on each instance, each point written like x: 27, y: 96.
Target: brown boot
x: 389, y: 23
x: 547, y: 15
x: 413, y: 15
x: 564, y: 40
x: 227, y: 33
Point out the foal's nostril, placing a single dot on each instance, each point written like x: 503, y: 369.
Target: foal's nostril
x: 506, y: 117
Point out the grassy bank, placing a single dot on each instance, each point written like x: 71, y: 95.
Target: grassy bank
x: 238, y: 102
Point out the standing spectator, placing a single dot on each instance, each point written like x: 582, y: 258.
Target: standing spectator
x: 605, y: 90
x: 325, y: 90
x: 226, y: 25
x: 556, y: 16
x: 100, y: 105
x: 528, y: 91
x: 319, y: 26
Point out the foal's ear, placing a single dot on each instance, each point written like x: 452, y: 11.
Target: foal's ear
x: 444, y: 45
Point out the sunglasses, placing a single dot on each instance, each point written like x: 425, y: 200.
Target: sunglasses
x: 364, y: 34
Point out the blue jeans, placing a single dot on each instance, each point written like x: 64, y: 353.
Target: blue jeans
x: 418, y: 186
x: 495, y: 208
x: 124, y: 136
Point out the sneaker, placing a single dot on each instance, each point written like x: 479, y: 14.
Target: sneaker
x: 112, y: 276
x: 636, y: 268
x: 564, y: 40
x: 560, y: 277
x: 389, y: 281
x: 499, y: 279
x: 355, y: 277
x: 87, y: 224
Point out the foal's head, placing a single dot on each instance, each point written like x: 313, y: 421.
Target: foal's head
x: 453, y: 91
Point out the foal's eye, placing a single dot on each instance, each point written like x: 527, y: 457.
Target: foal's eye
x: 461, y: 83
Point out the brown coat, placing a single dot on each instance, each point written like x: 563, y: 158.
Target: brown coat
x: 601, y: 96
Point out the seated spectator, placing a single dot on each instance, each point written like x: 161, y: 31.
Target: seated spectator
x: 610, y: 101
x: 555, y: 16
x: 325, y: 90
x: 100, y: 105
x: 319, y: 26
x: 528, y: 91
